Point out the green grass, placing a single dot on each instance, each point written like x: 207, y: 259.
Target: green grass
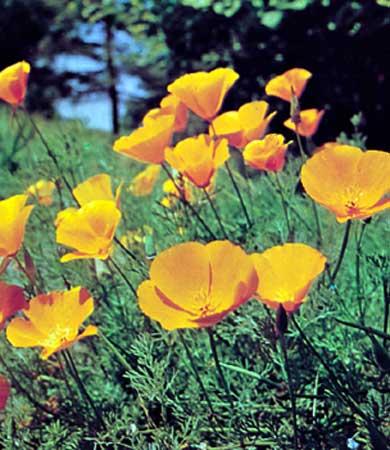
x: 146, y: 390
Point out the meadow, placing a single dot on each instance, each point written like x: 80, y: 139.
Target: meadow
x: 289, y: 355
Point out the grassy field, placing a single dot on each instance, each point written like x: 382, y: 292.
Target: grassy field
x: 143, y: 385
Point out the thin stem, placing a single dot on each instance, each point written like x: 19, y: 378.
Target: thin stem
x: 218, y: 365
x: 80, y: 384
x: 187, y: 203
x: 65, y: 377
x: 386, y: 298
x: 122, y: 274
x: 29, y: 277
x: 343, y: 394
x: 114, y: 349
x: 284, y: 204
x: 196, y: 373
x: 215, y: 213
x: 368, y: 330
x: 357, y: 269
x: 237, y: 189
x: 290, y: 386
x: 342, y: 251
x: 51, y: 154
x: 23, y: 391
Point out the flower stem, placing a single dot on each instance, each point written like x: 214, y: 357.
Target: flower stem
x: 215, y: 213
x: 290, y: 387
x: 29, y: 277
x: 342, y: 251
x: 218, y: 365
x: 124, y: 277
x: 187, y: 204
x: 284, y: 204
x: 73, y: 370
x: 237, y: 189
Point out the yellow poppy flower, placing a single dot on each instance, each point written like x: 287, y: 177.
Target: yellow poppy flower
x: 148, y: 143
x: 193, y: 285
x: 350, y: 183
x: 97, y: 187
x: 170, y: 106
x: 310, y: 120
x: 266, y: 154
x: 286, y: 273
x: 53, y: 321
x: 243, y: 126
x: 198, y: 158
x: 291, y: 82
x: 203, y: 92
x: 13, y: 83
x: 89, y: 230
x: 13, y: 218
x: 42, y: 190
x: 143, y: 183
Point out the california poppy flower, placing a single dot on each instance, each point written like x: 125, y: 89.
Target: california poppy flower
x: 13, y: 83
x: 53, y: 321
x: 266, y: 154
x: 97, y: 187
x: 197, y: 158
x: 42, y: 190
x: 89, y: 230
x: 170, y: 106
x: 181, y: 188
x: 350, y: 183
x: 243, y: 126
x: 11, y: 300
x: 286, y: 273
x: 13, y: 218
x: 148, y: 143
x: 292, y: 82
x: 309, y: 122
x: 193, y: 285
x: 5, y: 389
x: 142, y: 184
x: 203, y: 92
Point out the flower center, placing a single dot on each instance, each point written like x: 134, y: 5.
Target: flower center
x: 203, y: 301
x: 57, y: 337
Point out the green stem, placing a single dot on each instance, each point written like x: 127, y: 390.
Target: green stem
x: 51, y: 154
x: 196, y: 373
x: 342, y: 252
x: 114, y: 349
x: 357, y: 270
x: 284, y: 204
x: 386, y: 297
x: 218, y: 365
x: 29, y: 277
x: 237, y: 189
x: 124, y: 277
x: 368, y: 330
x: 215, y: 213
x: 342, y: 392
x: 187, y: 204
x: 73, y: 370
x: 290, y: 386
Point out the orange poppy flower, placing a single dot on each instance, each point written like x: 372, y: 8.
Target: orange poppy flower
x: 53, y: 321
x: 197, y: 158
x: 90, y: 230
x: 97, y: 187
x: 11, y: 300
x: 173, y: 194
x: 143, y: 183
x: 243, y: 126
x: 267, y: 154
x: 13, y: 218
x: 13, y: 83
x: 148, y: 143
x: 42, y: 190
x: 292, y: 81
x: 5, y: 389
x: 310, y: 120
x: 193, y: 285
x: 348, y: 182
x: 286, y: 273
x: 170, y: 106
x: 203, y: 92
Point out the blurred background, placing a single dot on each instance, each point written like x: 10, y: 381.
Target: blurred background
x: 109, y: 61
